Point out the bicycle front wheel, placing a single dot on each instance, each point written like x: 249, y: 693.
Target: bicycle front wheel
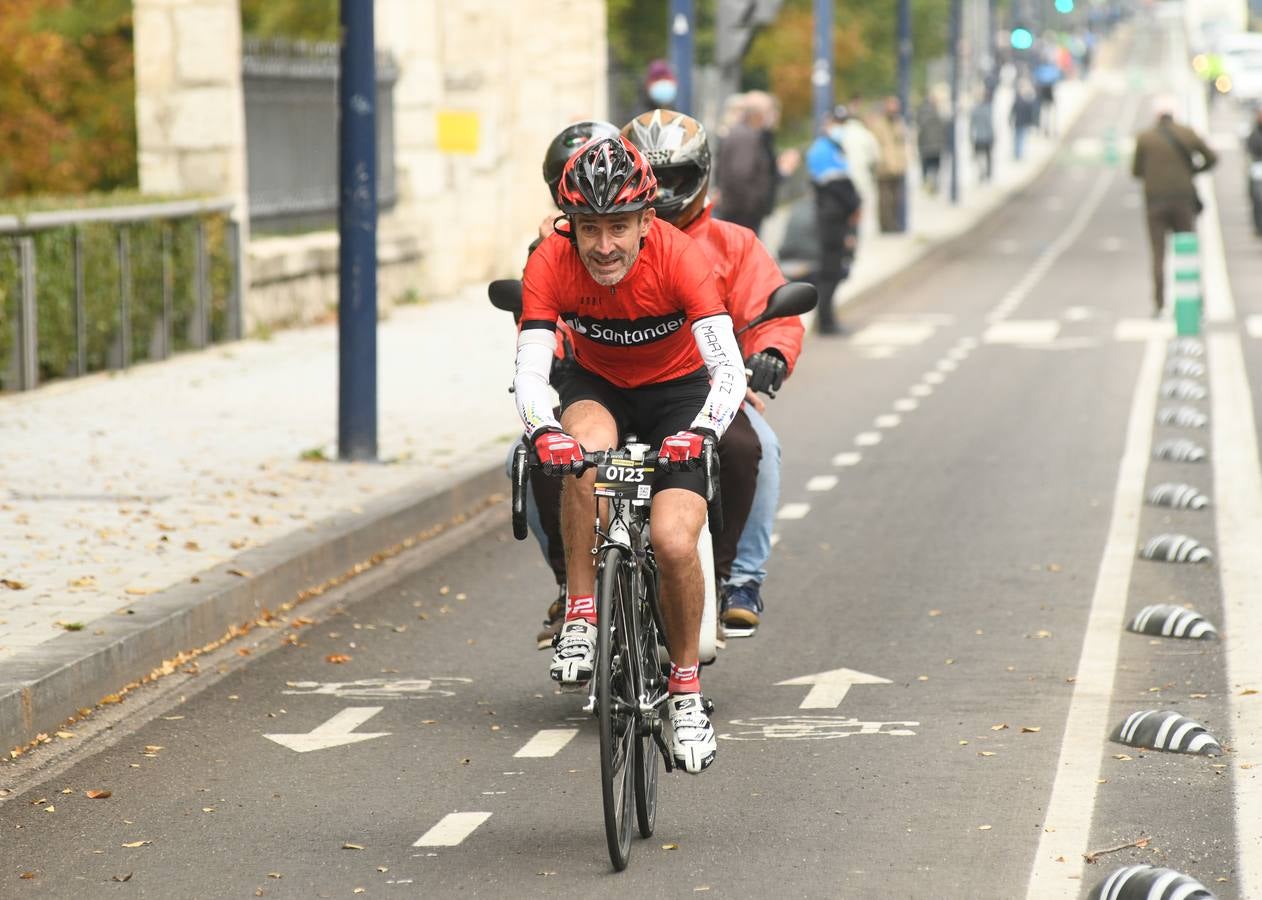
x: 653, y: 681
x: 616, y: 704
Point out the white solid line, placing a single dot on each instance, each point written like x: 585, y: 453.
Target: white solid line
x: 889, y: 420
x: 548, y: 742
x: 452, y: 829
x: 867, y: 439
x: 794, y: 511
x: 1238, y: 499
x: 822, y: 483
x: 847, y: 459
x: 1067, y: 824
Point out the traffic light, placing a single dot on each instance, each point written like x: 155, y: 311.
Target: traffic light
x: 1064, y: 6
x: 1022, y: 39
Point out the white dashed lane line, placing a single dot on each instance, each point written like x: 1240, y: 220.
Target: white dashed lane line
x: 452, y: 829
x: 889, y: 420
x: 794, y: 511
x: 867, y: 439
x: 849, y: 458
x: 545, y: 743
x: 933, y: 378
x: 947, y: 365
x: 920, y: 390
x: 906, y: 404
x: 822, y: 483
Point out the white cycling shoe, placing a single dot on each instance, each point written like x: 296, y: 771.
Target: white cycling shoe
x: 692, y: 742
x: 575, y: 655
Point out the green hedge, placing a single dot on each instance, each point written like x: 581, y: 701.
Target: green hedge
x: 103, y: 332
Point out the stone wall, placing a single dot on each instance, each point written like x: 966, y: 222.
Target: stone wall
x: 523, y: 68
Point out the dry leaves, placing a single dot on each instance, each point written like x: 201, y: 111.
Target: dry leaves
x: 1031, y: 729
x: 140, y: 591
x: 986, y: 753
x: 14, y: 585
x: 135, y: 844
x: 99, y: 795
x: 337, y: 658
x: 670, y: 846
x: 349, y: 846
x: 984, y: 827
x: 1123, y: 757
x: 1000, y: 727
x: 126, y: 876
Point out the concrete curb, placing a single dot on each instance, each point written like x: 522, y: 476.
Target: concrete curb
x: 44, y: 686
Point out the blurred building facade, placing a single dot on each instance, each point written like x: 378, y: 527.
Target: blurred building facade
x: 479, y: 88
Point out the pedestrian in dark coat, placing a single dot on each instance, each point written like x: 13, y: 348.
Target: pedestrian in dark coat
x: 746, y: 169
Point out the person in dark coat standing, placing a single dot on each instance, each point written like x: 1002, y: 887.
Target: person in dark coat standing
x: 1167, y: 155
x: 746, y: 173
x: 837, y: 206
x: 981, y: 127
x: 1024, y: 116
x: 931, y: 142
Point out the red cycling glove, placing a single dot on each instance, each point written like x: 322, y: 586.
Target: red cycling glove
x: 681, y: 451
x: 559, y: 453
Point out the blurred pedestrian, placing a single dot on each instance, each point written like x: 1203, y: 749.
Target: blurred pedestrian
x: 1023, y: 117
x: 837, y: 210
x: 864, y: 153
x: 661, y: 87
x: 891, y: 167
x: 1046, y: 76
x: 1167, y: 155
x: 981, y: 128
x: 1253, y: 144
x: 931, y: 142
x: 746, y: 165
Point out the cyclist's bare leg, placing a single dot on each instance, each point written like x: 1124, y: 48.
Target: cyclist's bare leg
x: 593, y: 426
x: 678, y: 516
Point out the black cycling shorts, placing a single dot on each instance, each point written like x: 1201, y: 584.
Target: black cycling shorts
x: 652, y: 413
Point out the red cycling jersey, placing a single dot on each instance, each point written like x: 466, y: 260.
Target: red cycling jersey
x: 638, y: 331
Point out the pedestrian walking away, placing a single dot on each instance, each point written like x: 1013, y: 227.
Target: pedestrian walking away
x: 981, y: 126
x: 1023, y: 117
x: 891, y: 167
x: 747, y: 173
x: 931, y: 142
x: 1167, y: 156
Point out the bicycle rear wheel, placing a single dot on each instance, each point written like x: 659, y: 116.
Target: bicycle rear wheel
x: 647, y: 758
x: 616, y: 705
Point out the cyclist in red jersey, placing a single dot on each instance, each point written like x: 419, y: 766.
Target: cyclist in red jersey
x: 656, y: 354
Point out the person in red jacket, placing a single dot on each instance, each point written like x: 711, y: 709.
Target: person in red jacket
x: 655, y: 354
x: 677, y: 148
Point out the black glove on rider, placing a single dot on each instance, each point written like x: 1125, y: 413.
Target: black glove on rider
x: 766, y: 371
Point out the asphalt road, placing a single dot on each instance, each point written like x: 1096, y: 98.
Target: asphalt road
x: 962, y: 490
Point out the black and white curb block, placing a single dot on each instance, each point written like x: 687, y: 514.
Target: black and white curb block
x: 1182, y: 417
x: 1185, y: 368
x: 1183, y: 389
x: 1165, y: 729
x: 1176, y: 548
x: 1177, y: 496
x: 1187, y: 346
x: 1180, y: 450
x: 1168, y: 620
x: 1144, y: 882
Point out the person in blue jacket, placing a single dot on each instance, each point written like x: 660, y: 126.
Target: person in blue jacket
x: 837, y: 206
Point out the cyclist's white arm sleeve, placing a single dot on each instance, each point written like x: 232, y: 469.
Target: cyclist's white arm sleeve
x: 722, y: 356
x: 535, y: 348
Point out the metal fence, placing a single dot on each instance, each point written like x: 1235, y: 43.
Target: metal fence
x: 291, y: 133
x: 91, y: 290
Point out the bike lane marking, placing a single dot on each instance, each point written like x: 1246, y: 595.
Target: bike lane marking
x: 1067, y: 824
x: 794, y: 511
x: 452, y: 829
x: 822, y: 483
x: 546, y: 742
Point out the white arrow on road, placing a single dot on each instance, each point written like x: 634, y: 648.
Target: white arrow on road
x: 828, y: 689
x: 333, y: 733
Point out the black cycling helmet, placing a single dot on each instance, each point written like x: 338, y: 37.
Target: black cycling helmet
x: 675, y: 146
x: 606, y: 176
x: 566, y: 144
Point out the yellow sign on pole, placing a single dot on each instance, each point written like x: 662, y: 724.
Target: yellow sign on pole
x: 457, y: 131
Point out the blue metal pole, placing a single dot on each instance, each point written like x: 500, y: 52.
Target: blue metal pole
x: 904, y: 86
x: 682, y: 29
x: 822, y: 71
x: 357, y: 226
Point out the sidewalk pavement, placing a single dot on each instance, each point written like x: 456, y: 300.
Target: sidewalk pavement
x: 147, y: 513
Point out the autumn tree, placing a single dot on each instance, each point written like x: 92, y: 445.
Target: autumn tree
x: 67, y: 97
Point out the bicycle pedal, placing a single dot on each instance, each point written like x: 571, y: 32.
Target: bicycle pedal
x: 707, y: 704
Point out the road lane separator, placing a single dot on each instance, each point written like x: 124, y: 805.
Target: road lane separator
x: 452, y: 829
x: 545, y: 743
x: 1058, y: 862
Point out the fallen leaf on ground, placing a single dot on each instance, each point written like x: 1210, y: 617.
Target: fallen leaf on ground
x: 275, y: 875
x: 983, y: 827
x: 985, y: 752
x: 85, y: 581
x: 99, y: 795
x: 135, y: 844
x: 241, y: 573
x: 50, y: 809
x: 1198, y: 696
x: 14, y: 585
x: 337, y: 658
x: 27, y: 875
x: 1122, y: 756
x: 444, y: 590
x: 670, y: 846
x: 1247, y: 692
x: 140, y: 591
x: 935, y: 612
x: 1031, y: 729
x: 65, y: 735
x: 1000, y: 727
x: 124, y: 877
x: 352, y: 847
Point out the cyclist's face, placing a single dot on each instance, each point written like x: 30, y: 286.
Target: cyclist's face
x: 609, y: 245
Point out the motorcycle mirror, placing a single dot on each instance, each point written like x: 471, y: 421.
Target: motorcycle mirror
x: 792, y: 299
x: 505, y: 294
